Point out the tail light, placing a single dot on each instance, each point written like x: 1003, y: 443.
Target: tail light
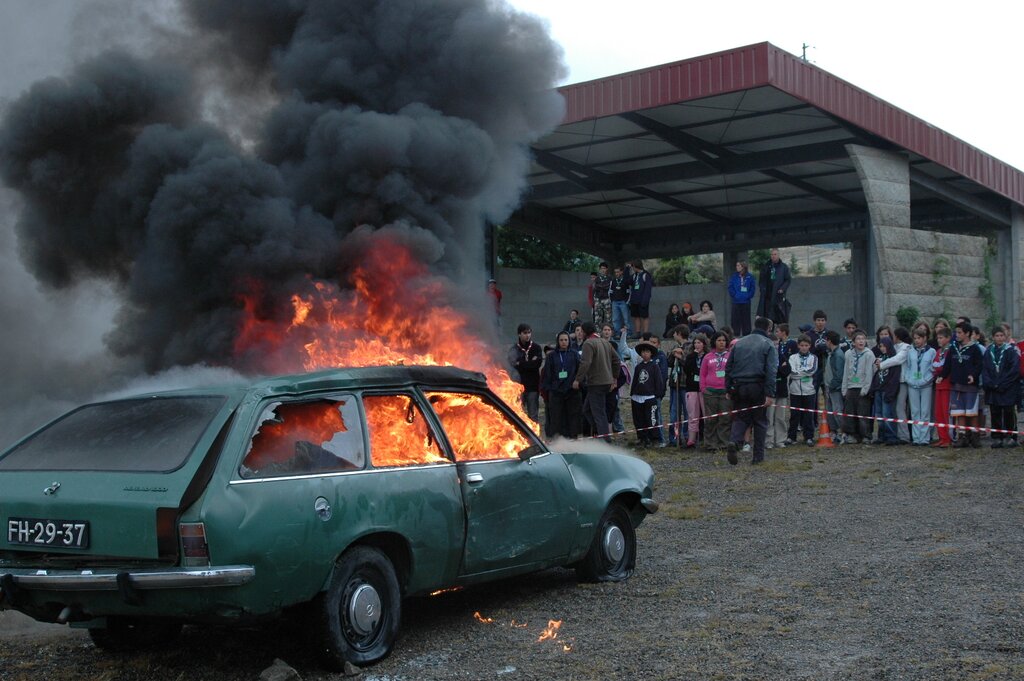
x: 194, y: 550
x: 166, y: 539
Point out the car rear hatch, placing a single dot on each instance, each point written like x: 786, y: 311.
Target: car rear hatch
x: 104, y: 484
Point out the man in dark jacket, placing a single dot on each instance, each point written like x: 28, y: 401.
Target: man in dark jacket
x: 525, y: 357
x: 750, y: 380
x: 640, y: 297
x: 773, y: 283
x: 619, y: 294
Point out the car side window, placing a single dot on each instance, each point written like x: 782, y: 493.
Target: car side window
x: 477, y: 429
x: 297, y: 438
x: 399, y: 433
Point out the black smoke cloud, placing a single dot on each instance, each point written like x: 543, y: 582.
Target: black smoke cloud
x: 384, y: 112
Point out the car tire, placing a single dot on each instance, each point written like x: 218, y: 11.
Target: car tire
x: 612, y: 554
x: 361, y: 609
x: 126, y: 634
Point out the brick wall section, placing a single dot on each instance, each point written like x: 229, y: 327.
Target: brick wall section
x: 543, y: 298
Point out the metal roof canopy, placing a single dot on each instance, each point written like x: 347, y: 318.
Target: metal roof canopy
x: 741, y: 149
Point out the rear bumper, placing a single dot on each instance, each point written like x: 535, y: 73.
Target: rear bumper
x: 114, y: 580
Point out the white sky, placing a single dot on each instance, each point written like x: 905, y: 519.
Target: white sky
x: 954, y: 64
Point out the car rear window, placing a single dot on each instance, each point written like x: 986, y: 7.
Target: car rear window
x: 303, y: 438
x: 154, y: 434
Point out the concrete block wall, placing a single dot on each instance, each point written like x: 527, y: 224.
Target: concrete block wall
x: 936, y: 273
x: 930, y: 270
x: 543, y: 298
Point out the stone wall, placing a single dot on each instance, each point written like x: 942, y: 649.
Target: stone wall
x: 543, y: 298
x: 937, y: 273
x: 933, y: 272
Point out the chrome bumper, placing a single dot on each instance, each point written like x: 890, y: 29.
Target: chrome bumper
x: 144, y: 579
x: 650, y: 505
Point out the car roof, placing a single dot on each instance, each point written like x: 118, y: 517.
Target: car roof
x: 348, y: 378
x: 368, y: 377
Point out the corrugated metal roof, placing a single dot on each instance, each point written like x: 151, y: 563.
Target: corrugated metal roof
x: 764, y: 64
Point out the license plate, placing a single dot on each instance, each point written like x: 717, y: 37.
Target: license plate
x: 71, y: 534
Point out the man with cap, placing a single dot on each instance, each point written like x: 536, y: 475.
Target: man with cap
x: 750, y: 380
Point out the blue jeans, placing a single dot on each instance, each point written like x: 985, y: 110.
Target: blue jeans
x: 887, y: 410
x: 620, y: 317
x: 676, y: 415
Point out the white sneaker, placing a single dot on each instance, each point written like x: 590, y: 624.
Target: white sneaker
x: 746, y: 446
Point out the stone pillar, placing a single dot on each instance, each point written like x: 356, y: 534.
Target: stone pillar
x: 939, y: 274
x: 861, y: 268
x: 1011, y: 252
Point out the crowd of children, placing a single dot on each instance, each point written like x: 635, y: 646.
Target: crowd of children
x: 947, y: 386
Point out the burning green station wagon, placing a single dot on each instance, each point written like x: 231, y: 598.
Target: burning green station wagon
x: 343, y: 491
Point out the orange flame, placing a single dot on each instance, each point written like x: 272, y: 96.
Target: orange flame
x: 392, y: 311
x: 480, y: 618
x: 399, y: 433
x: 476, y: 429
x: 316, y: 422
x: 551, y: 631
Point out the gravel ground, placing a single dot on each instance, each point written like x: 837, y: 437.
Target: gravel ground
x: 846, y: 563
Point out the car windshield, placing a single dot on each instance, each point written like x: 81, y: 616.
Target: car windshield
x: 144, y: 434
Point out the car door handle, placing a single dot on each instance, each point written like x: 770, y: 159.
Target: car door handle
x: 474, y: 477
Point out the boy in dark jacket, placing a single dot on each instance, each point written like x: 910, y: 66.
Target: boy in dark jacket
x: 525, y: 357
x: 886, y: 387
x: 999, y: 376
x: 648, y: 387
x: 835, y: 362
x: 963, y: 371
x: 565, y: 406
x: 778, y: 413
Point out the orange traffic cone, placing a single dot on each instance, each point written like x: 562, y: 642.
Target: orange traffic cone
x: 824, y: 434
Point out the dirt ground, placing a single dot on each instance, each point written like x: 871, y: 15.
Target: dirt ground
x: 847, y: 563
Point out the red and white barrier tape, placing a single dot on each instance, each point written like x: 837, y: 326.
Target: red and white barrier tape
x: 975, y: 429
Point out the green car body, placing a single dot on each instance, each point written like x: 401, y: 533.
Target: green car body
x: 273, y: 541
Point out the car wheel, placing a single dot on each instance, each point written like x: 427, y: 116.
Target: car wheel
x: 361, y: 609
x: 125, y: 634
x: 612, y: 554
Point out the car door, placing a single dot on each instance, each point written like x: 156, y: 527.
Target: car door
x: 281, y: 511
x: 520, y: 512
x: 310, y: 487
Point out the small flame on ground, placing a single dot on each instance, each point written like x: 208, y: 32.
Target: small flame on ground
x: 481, y: 618
x: 517, y: 625
x: 550, y: 632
